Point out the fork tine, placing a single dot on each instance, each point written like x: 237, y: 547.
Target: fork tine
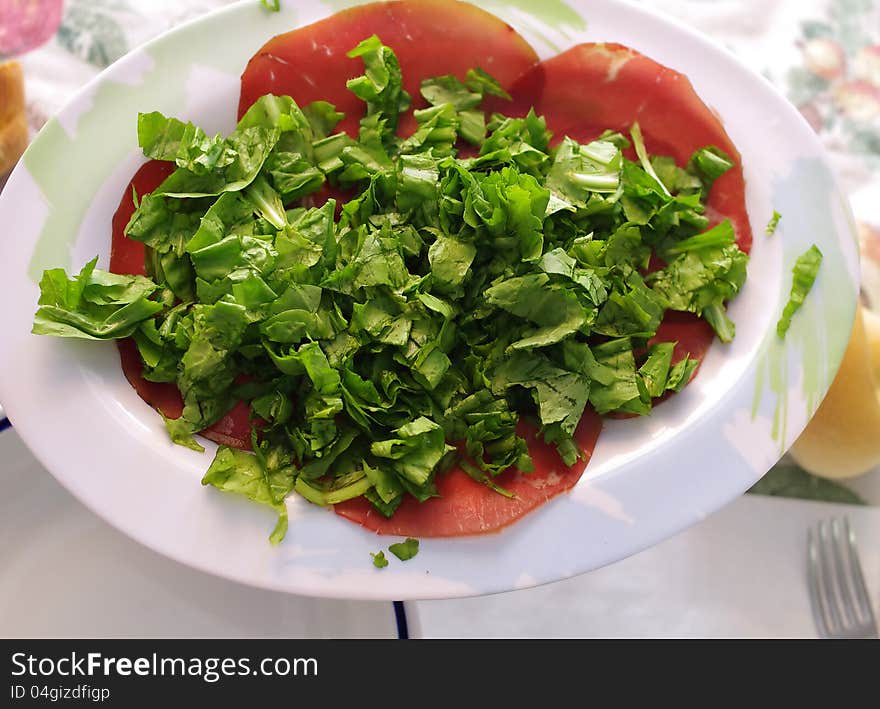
x: 843, y: 576
x: 826, y: 577
x: 813, y: 572
x: 860, y: 588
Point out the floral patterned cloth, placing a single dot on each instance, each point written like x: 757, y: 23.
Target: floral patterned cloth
x: 824, y: 55
x: 89, y: 36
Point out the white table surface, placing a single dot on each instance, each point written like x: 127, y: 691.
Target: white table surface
x: 740, y: 573
x: 65, y: 573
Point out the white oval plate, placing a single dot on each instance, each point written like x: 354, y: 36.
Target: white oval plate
x: 649, y: 477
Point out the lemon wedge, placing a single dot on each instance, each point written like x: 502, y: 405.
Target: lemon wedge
x: 842, y: 440
x: 872, y: 333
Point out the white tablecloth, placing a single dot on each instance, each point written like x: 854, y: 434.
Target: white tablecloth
x: 66, y: 573
x: 740, y: 573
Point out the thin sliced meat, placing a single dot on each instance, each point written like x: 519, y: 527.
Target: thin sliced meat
x: 592, y: 87
x: 467, y: 507
x: 234, y: 429
x: 162, y: 396
x: 327, y: 192
x: 430, y: 38
x: 127, y: 256
x: 692, y: 335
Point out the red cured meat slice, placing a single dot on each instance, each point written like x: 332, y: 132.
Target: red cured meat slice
x: 692, y: 335
x: 592, y: 87
x: 430, y: 38
x: 468, y: 507
x: 127, y: 256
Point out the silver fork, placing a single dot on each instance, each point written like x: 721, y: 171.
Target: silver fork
x: 838, y: 594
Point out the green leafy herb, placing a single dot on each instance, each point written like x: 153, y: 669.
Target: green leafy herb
x: 405, y: 550
x: 95, y: 305
x: 164, y: 138
x: 381, y: 85
x: 773, y: 223
x: 639, y: 145
x: 804, y: 273
x: 246, y: 474
x: 708, y: 164
x: 707, y: 270
x: 379, y: 560
x: 380, y: 341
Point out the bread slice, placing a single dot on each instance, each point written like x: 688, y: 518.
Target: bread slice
x: 13, y: 120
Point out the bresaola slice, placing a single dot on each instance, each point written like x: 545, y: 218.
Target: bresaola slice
x: 127, y: 255
x: 692, y: 335
x: 596, y: 86
x: 467, y: 507
x: 429, y: 37
x: 592, y: 87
